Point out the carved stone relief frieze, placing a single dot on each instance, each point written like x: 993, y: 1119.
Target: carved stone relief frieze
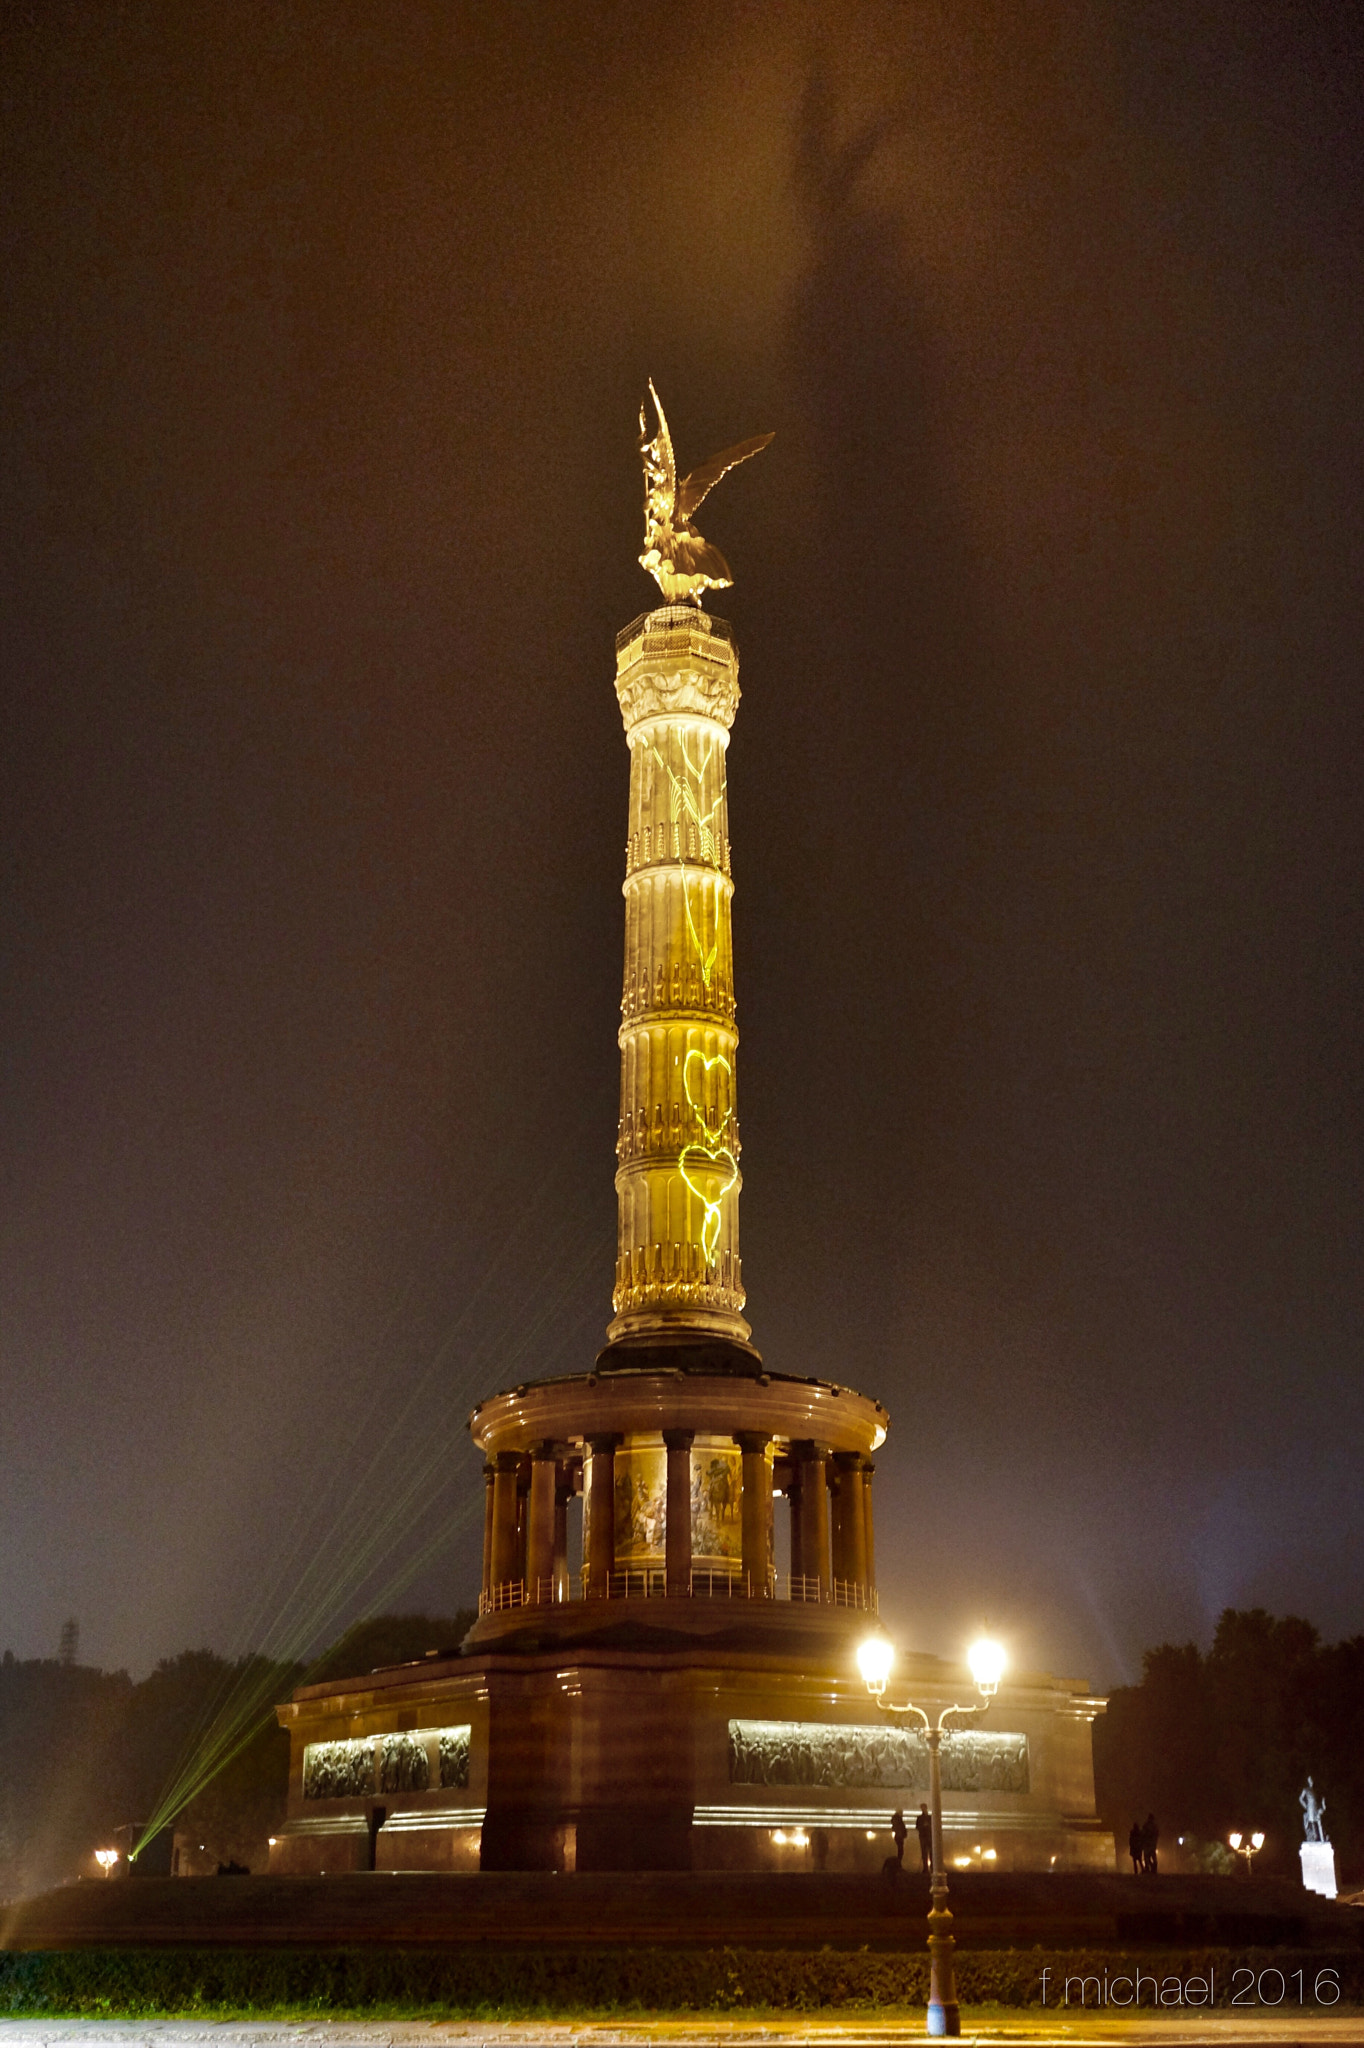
x: 454, y: 1756
x: 338, y: 1770
x: 403, y: 1764
x: 346, y: 1770
x: 844, y: 1758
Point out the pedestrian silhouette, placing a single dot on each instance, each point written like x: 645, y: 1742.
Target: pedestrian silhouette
x: 1150, y: 1840
x: 1134, y: 1847
x: 923, y: 1828
x: 899, y: 1833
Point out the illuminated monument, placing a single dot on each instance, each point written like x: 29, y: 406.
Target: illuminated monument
x: 642, y: 1689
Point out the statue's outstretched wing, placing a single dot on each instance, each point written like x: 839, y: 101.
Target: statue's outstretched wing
x: 693, y: 488
x: 658, y: 456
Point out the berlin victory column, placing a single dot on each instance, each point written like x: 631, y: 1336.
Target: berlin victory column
x: 673, y: 1703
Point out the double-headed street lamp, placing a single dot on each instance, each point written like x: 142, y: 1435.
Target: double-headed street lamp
x: 1248, y: 1846
x: 987, y: 1661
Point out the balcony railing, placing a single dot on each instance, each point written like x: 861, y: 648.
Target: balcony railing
x: 652, y: 1584
x: 674, y: 622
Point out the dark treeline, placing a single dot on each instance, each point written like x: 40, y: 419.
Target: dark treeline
x: 83, y: 1752
x: 1226, y: 1741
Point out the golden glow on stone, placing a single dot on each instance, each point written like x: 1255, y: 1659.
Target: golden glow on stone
x: 686, y: 801
x: 678, y: 1176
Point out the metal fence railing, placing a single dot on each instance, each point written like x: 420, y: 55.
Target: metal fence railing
x: 651, y: 1583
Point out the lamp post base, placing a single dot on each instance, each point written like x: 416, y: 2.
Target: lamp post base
x: 944, y: 2013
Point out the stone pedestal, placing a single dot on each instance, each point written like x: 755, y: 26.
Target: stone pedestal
x: 1319, y: 1868
x: 662, y: 1733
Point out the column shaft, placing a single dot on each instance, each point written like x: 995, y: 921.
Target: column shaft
x: 540, y: 1524
x: 814, y: 1513
x: 601, y: 1514
x: 756, y: 1512
x: 677, y: 1537
x: 563, y: 1496
x: 678, y: 1180
x: 794, y: 1491
x: 868, y: 1536
x: 819, y: 1522
x: 489, y: 1475
x: 522, y: 1516
x: 850, y: 1549
x: 503, y: 1566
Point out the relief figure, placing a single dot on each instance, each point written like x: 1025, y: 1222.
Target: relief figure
x: 859, y: 1757
x: 338, y: 1770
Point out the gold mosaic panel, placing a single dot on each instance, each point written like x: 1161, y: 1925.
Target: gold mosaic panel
x: 716, y: 1504
x: 641, y: 1504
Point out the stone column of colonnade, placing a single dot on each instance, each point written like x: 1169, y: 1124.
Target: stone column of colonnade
x: 808, y: 1496
x: 832, y: 1545
x: 540, y: 1520
x: 677, y: 1183
x: 525, y: 1530
x: 525, y: 1524
x: 677, y: 1445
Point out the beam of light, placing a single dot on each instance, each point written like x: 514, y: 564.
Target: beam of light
x: 251, y: 1707
x: 339, y: 1559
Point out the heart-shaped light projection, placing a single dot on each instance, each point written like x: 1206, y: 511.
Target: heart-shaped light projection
x: 715, y: 1156
x: 698, y: 1109
x: 713, y: 1150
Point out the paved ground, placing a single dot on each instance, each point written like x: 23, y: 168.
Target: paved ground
x: 1035, y: 2028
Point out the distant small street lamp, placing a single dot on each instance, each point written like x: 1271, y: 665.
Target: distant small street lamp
x: 106, y: 1859
x: 1246, y: 1846
x: 987, y: 1661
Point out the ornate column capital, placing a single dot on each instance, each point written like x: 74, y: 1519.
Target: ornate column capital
x: 677, y: 662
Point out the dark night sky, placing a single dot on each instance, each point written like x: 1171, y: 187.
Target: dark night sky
x: 324, y: 332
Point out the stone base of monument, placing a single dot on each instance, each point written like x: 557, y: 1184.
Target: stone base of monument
x: 640, y: 1746
x: 1319, y: 1868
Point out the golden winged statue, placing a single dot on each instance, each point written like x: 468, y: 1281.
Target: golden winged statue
x: 679, y: 560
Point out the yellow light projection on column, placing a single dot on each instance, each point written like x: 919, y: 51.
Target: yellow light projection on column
x: 678, y: 1178
x: 681, y: 799
x: 684, y: 800
x: 712, y: 1148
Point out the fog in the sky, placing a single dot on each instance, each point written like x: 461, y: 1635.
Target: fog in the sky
x: 323, y: 339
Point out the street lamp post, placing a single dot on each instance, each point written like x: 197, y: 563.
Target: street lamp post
x: 1247, y: 1846
x: 986, y: 1659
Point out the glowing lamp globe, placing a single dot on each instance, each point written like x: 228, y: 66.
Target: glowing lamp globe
x: 987, y: 1661
x: 1234, y: 1841
x: 1257, y: 1840
x: 874, y: 1659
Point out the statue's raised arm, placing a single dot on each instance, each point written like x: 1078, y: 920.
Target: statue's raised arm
x: 679, y: 560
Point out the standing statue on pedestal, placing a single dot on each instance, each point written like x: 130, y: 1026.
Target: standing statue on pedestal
x: 1317, y: 1856
x: 680, y: 561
